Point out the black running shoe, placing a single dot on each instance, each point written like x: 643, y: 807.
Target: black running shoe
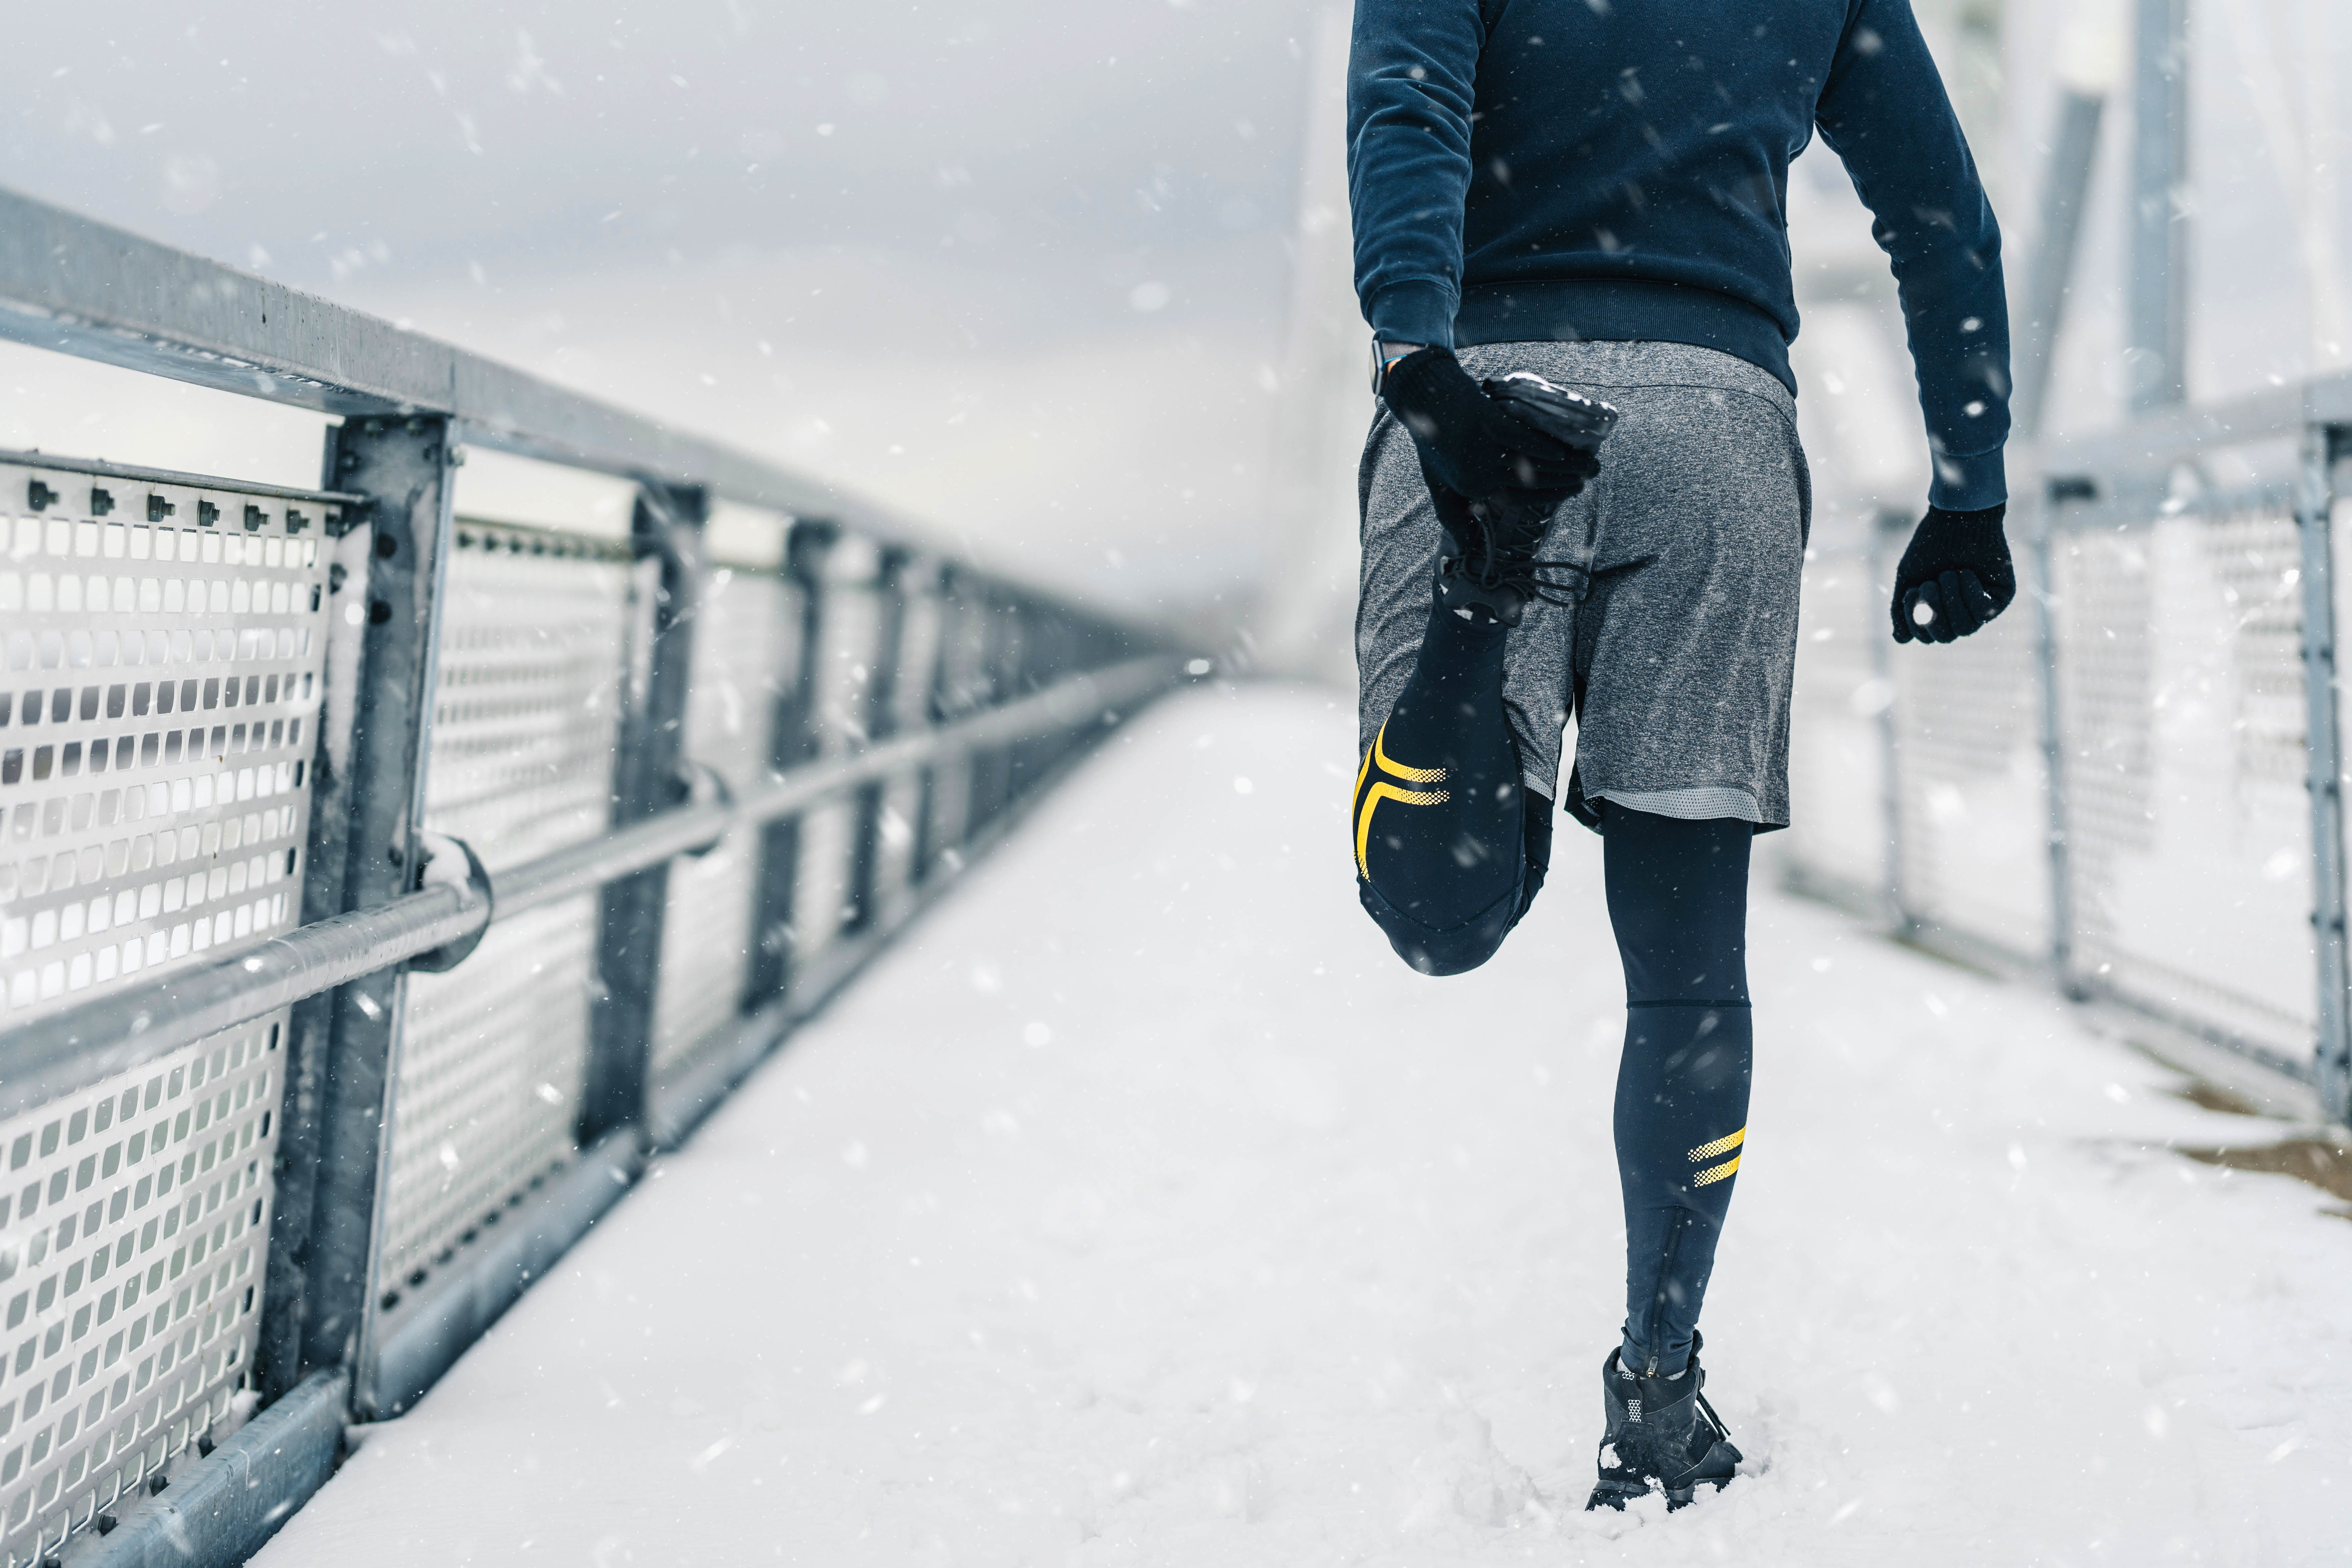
x: 1487, y: 565
x: 1662, y: 1435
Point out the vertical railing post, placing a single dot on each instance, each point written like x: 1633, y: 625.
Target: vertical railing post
x: 992, y: 770
x: 796, y: 742
x: 2042, y: 546
x: 2323, y: 447
x: 368, y: 803
x: 939, y: 697
x: 881, y: 720
x: 666, y: 532
x: 2156, y: 316
x: 1885, y: 532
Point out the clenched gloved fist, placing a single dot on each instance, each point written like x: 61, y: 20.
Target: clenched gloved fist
x: 1473, y: 445
x: 1955, y: 577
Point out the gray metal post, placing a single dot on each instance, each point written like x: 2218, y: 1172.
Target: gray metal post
x: 938, y: 703
x: 666, y: 530
x: 992, y: 770
x: 796, y: 742
x: 881, y: 722
x: 2042, y: 547
x: 1888, y: 529
x: 2323, y: 447
x: 2073, y: 151
x: 368, y: 803
x: 2157, y: 315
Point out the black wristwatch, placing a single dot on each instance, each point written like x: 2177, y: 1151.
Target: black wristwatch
x: 1386, y: 355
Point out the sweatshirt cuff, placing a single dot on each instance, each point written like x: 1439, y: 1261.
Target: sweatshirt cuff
x: 1414, y: 311
x: 1970, y: 484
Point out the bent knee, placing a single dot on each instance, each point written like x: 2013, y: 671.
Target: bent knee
x: 1456, y: 951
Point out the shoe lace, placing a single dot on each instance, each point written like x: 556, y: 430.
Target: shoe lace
x: 1493, y: 561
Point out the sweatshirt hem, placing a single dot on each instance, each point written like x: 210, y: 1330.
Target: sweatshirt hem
x: 1622, y: 310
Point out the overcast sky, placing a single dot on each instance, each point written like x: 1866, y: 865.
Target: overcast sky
x: 1037, y: 248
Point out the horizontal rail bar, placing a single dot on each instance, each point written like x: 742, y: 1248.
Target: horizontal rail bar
x: 223, y: 1506
x: 582, y: 866
x: 693, y: 1088
x: 99, y: 468
x: 2155, y: 443
x: 73, y: 1049
x: 2127, y: 509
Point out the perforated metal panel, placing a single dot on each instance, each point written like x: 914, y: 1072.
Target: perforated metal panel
x: 159, y: 682
x: 745, y: 634
x: 1974, y: 807
x: 1838, y: 830
x: 132, y: 1259
x: 2188, y: 816
x: 534, y: 653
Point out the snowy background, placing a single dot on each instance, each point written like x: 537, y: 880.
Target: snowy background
x: 1019, y: 267
x: 1140, y: 1208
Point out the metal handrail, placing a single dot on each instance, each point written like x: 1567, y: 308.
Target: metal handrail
x: 69, y: 1050
x: 2156, y: 442
x: 88, y: 289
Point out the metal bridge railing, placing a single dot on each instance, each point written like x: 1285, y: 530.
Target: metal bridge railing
x: 379, y: 886
x: 2138, y: 779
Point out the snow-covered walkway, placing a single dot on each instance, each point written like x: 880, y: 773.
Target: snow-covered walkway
x: 1140, y: 1208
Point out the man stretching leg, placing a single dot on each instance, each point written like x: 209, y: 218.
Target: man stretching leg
x: 1591, y: 192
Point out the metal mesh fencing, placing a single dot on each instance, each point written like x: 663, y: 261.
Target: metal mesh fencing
x: 1973, y: 811
x: 526, y: 720
x: 156, y: 709
x: 132, y: 1265
x: 2187, y: 816
x: 744, y: 648
x: 162, y: 646
x: 1839, y: 829
x: 226, y: 705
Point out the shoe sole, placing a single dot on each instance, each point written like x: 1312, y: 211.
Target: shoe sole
x: 1617, y: 1494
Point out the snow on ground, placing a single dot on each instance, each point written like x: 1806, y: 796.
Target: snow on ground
x: 1141, y: 1209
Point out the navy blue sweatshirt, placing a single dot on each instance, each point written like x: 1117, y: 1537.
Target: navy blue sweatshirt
x: 1618, y: 170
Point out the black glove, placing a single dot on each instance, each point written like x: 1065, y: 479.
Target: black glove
x: 1957, y: 569
x: 1472, y: 446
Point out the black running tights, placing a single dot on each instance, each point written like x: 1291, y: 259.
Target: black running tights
x: 1450, y: 852
x: 1678, y: 899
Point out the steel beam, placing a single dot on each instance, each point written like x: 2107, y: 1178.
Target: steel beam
x: 99, y: 292
x: 2314, y: 513
x: 2073, y: 154
x: 377, y: 799
x: 223, y: 1508
x: 793, y: 743
x: 2042, y: 548
x: 881, y: 723
x: 666, y: 532
x: 2156, y: 309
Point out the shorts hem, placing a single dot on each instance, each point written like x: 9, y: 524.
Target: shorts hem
x: 1699, y: 803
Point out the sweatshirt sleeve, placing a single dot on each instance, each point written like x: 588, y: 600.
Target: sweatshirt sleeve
x: 1884, y: 111
x: 1412, y: 71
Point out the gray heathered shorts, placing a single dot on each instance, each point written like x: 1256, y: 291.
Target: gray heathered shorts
x: 1677, y: 653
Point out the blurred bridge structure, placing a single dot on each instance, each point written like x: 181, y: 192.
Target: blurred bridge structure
x: 380, y: 885
x: 385, y: 890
